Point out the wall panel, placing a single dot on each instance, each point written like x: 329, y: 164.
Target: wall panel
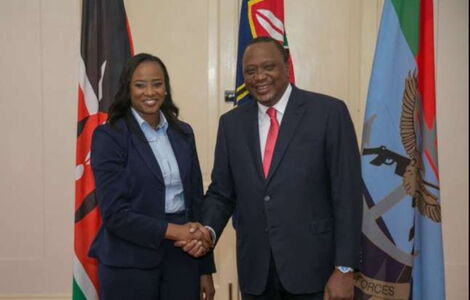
x: 38, y: 59
x: 452, y: 124
x: 21, y: 119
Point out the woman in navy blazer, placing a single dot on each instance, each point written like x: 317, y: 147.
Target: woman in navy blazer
x: 149, y: 189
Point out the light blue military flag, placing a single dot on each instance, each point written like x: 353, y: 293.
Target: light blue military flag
x: 402, y: 255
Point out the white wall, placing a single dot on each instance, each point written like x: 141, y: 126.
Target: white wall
x: 452, y: 117
x: 39, y: 46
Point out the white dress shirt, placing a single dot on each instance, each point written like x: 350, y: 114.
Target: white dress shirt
x: 163, y: 152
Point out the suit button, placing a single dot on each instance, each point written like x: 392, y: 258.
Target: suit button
x: 267, y: 198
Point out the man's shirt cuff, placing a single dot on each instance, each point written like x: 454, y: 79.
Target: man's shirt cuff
x: 213, y: 235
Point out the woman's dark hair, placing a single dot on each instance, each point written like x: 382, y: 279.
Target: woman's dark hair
x: 122, y: 101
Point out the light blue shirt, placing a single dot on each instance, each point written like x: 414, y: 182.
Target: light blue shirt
x: 161, y: 148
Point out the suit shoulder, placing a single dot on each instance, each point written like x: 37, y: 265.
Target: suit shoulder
x: 237, y: 112
x: 117, y: 127
x: 185, y: 128
x: 325, y: 101
x: 116, y: 132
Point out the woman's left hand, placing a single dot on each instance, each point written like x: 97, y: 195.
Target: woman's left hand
x: 207, y: 287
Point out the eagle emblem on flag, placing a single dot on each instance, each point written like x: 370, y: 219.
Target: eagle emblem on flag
x: 413, y: 181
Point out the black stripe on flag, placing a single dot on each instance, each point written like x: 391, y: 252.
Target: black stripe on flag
x: 105, y: 44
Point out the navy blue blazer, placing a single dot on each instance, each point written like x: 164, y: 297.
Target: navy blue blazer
x: 307, y: 213
x: 130, y: 191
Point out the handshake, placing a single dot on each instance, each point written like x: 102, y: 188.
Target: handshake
x: 192, y: 238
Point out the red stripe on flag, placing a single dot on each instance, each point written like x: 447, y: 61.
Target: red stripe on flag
x: 84, y: 140
x: 86, y: 229
x: 82, y: 110
x: 274, y: 27
x: 84, y: 234
x: 129, y: 35
x: 434, y: 167
x: 425, y: 60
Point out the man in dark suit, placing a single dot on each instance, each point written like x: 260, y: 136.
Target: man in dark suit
x: 288, y: 163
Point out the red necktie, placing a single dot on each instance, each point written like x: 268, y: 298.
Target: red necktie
x: 270, y: 141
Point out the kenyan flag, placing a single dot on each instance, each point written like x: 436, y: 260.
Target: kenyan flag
x: 105, y: 46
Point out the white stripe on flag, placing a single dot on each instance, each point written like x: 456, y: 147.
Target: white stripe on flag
x: 83, y: 281
x: 91, y: 101
x: 273, y: 19
x: 100, y: 84
x: 273, y: 32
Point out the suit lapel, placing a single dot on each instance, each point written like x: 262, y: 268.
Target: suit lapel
x: 179, y: 145
x: 252, y: 133
x: 290, y: 121
x: 143, y: 147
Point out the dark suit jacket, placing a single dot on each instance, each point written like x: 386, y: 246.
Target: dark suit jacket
x: 307, y: 213
x: 130, y: 191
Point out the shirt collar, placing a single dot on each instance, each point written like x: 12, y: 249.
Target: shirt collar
x: 163, y: 124
x: 280, y: 106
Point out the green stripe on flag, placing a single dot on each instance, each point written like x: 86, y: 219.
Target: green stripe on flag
x: 77, y: 293
x: 408, y: 14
